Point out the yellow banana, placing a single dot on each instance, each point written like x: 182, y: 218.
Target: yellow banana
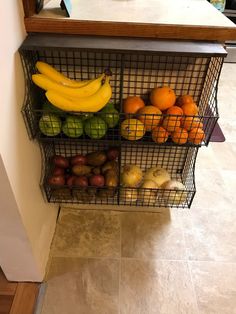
x: 58, y: 77
x: 91, y: 103
x: 46, y: 83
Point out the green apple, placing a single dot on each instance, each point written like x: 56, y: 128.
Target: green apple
x: 110, y: 115
x: 73, y: 126
x: 50, y: 124
x: 95, y: 128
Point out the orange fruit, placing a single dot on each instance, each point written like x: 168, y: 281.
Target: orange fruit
x: 150, y: 116
x: 171, y: 123
x: 132, y: 104
x: 132, y: 129
x: 159, y: 135
x: 196, y: 135
x: 189, y: 123
x: 179, y: 136
x: 162, y: 97
x: 190, y: 109
x: 175, y: 110
x: 185, y: 99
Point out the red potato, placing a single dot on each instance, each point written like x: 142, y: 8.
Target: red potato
x: 70, y: 180
x: 81, y: 181
x: 60, y: 161
x: 78, y: 160
x: 97, y: 180
x: 57, y: 171
x: 56, y: 180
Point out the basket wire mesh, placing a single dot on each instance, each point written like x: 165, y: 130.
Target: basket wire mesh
x: 179, y: 162
x: 170, y: 141
x: 133, y: 74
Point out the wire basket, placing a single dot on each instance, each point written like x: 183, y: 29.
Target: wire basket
x: 73, y: 193
x: 179, y: 162
x: 134, y: 73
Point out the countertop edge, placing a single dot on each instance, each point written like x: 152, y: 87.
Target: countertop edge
x: 159, y: 31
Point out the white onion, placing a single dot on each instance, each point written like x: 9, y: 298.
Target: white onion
x: 177, y: 196
x: 158, y: 175
x: 147, y: 196
x: 129, y: 195
x: 131, y: 176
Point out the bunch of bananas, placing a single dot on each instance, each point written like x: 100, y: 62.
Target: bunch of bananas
x: 70, y: 95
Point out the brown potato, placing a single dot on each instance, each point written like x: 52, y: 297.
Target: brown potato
x: 110, y: 165
x: 81, y: 170
x: 96, y: 159
x: 111, y: 178
x: 96, y: 170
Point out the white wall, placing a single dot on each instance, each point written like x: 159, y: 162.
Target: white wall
x: 16, y: 255
x: 21, y: 158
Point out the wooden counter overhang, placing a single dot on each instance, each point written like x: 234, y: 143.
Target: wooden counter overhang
x: 166, y: 19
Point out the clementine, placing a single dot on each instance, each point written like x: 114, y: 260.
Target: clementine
x: 179, y: 136
x: 190, y: 109
x: 189, y: 123
x: 184, y: 99
x: 171, y: 123
x: 196, y: 135
x: 175, y: 110
x: 159, y: 135
x: 132, y: 104
x: 162, y: 97
x: 150, y: 116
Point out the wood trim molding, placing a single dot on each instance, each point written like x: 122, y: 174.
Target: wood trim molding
x: 68, y: 26
x: 25, y: 298
x: 17, y: 297
x: 29, y: 7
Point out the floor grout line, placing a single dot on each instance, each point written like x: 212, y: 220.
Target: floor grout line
x: 193, y: 287
x: 147, y: 258
x: 188, y: 265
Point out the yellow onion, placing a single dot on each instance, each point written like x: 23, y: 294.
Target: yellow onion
x: 158, y: 175
x: 175, y: 192
x: 147, y: 195
x: 131, y: 176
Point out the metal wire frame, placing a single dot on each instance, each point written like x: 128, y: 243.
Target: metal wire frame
x: 178, y: 161
x: 133, y: 74
x: 80, y: 65
x: 74, y: 195
x: 192, y: 75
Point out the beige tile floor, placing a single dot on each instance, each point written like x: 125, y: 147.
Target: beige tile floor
x: 173, y: 262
